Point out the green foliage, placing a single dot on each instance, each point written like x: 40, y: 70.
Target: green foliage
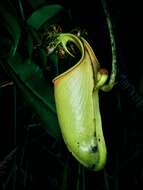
x: 26, y: 65
x: 36, y: 90
x: 23, y: 66
x: 12, y: 27
x: 44, y: 14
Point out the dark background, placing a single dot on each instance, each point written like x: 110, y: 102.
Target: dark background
x: 122, y: 117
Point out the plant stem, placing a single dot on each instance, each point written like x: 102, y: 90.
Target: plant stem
x: 111, y: 82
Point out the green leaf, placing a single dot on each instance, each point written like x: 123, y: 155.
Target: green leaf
x: 12, y: 27
x: 43, y: 15
x: 36, y: 90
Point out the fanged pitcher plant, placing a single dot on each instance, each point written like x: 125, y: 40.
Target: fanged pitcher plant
x: 77, y: 103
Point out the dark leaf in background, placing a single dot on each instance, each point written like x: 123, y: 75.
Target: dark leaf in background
x: 36, y: 90
x: 27, y: 74
x: 44, y: 14
x: 12, y: 26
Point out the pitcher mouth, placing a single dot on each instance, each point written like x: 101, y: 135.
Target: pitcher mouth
x: 82, y: 45
x: 63, y: 40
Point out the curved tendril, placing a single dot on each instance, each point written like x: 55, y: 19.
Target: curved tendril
x: 111, y: 83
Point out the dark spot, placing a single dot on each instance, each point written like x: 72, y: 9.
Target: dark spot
x: 93, y: 149
x: 77, y: 143
x: 99, y: 139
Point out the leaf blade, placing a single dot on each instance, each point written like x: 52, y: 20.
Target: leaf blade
x: 44, y: 14
x: 12, y: 27
x: 37, y: 92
